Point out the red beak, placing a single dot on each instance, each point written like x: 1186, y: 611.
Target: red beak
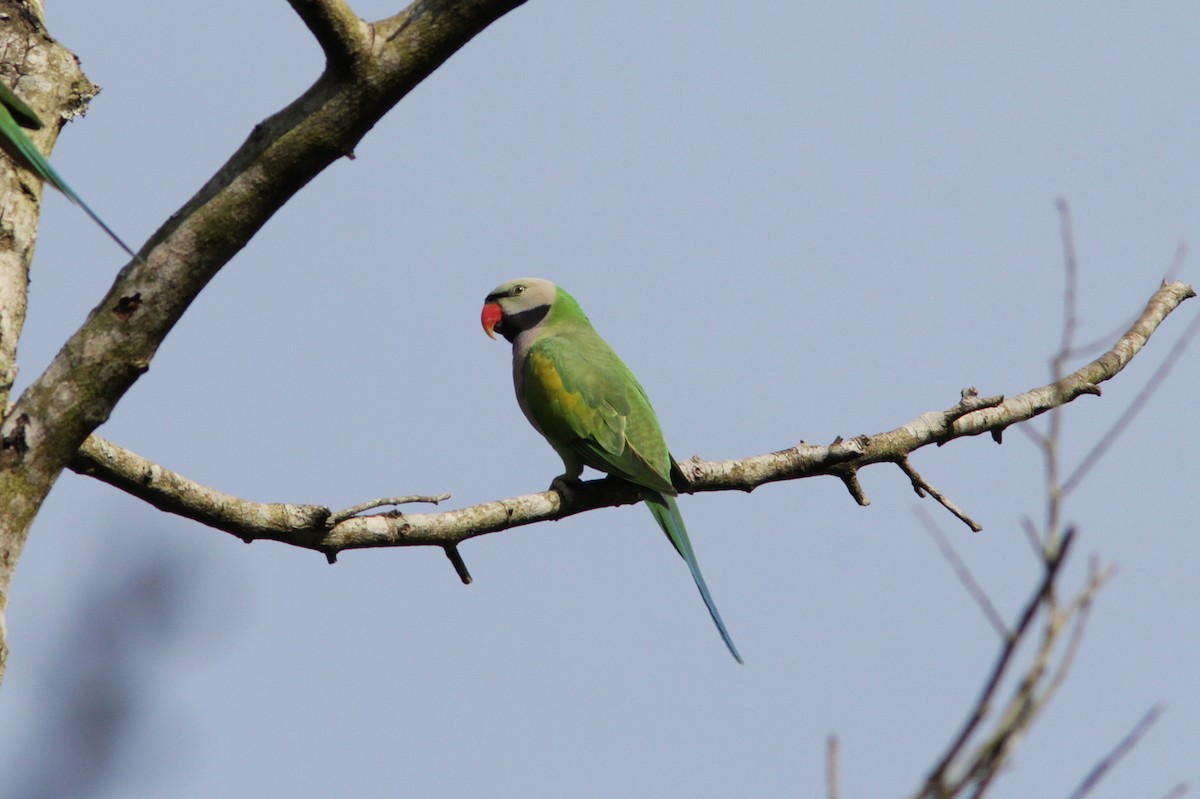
x: 490, y: 318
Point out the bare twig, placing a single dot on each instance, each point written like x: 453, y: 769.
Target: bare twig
x: 1176, y: 792
x: 969, y: 769
x: 1119, y: 751
x: 1077, y: 612
x: 1084, y: 380
x: 1057, y: 365
x: 964, y: 575
x: 849, y: 479
x: 1035, y: 541
x: 923, y: 487
x: 1177, y: 262
x: 1070, y: 290
x: 832, y: 780
x: 1101, y: 343
x: 1139, y: 402
x: 974, y: 772
x: 940, y: 781
x: 354, y: 510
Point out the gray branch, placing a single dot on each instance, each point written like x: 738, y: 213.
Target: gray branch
x: 316, y: 527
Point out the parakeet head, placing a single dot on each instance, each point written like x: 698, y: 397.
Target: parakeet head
x: 517, y: 305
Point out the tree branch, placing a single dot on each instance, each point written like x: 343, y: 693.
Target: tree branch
x: 78, y: 391
x: 173, y: 493
x: 311, y: 526
x: 1139, y: 402
x: 344, y: 37
x: 115, y: 345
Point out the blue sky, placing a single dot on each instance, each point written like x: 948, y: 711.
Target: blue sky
x: 793, y: 222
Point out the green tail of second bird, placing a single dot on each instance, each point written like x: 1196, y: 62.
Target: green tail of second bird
x: 15, y: 115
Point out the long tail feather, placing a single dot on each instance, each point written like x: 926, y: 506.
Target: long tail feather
x: 23, y: 150
x: 666, y: 513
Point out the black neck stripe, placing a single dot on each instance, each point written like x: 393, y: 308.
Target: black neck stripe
x: 512, y: 325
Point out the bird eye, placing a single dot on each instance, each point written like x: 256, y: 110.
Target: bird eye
x: 518, y: 289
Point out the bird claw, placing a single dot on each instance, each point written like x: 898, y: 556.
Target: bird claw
x: 565, y: 484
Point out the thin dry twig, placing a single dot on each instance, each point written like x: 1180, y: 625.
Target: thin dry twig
x: 1181, y: 251
x: 1122, y: 748
x: 1070, y: 289
x: 354, y: 510
x: 832, y: 779
x: 923, y: 487
x: 941, y: 782
x: 1077, y: 612
x: 1103, y: 342
x: 1139, y: 402
x: 1179, y: 790
x: 964, y: 574
x: 968, y: 771
x: 1035, y: 541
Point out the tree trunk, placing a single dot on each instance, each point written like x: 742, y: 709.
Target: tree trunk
x: 47, y: 77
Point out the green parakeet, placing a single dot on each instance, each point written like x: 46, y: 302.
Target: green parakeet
x: 577, y: 393
x: 14, y: 115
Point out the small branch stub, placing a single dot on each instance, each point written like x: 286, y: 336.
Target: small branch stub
x: 459, y: 566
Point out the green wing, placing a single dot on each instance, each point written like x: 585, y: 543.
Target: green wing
x: 587, y: 403
x: 15, y: 115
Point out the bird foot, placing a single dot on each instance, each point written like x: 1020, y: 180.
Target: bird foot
x: 565, y: 484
